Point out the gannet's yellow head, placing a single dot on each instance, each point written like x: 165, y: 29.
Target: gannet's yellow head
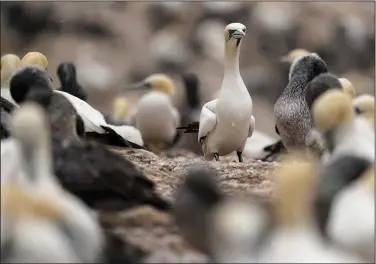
x: 365, y: 106
x: 332, y: 109
x: 294, y: 181
x: 9, y: 64
x: 292, y: 55
x: 158, y: 82
x: 35, y: 58
x: 121, y: 107
x: 233, y: 34
x: 347, y: 87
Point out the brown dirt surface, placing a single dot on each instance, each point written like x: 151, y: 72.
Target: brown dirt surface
x: 153, y: 232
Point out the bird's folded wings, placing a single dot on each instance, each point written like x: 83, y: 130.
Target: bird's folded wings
x: 252, y: 126
x: 208, y: 119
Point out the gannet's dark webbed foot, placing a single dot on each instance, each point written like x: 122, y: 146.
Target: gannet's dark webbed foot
x: 216, y: 156
x: 239, y: 153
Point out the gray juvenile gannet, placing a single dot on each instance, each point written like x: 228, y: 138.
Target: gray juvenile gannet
x: 154, y: 114
x: 63, y: 227
x: 9, y: 64
x: 292, y: 116
x: 227, y: 122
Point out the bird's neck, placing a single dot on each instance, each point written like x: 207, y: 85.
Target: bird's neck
x: 6, y: 75
x: 232, y: 60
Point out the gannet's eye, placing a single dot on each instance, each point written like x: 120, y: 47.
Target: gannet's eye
x: 357, y: 110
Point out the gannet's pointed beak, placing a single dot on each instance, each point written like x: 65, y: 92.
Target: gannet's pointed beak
x: 284, y: 59
x: 142, y: 85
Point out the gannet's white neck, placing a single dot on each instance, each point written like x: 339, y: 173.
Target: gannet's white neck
x: 231, y: 62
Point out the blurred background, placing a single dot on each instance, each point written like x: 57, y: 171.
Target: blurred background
x: 115, y: 43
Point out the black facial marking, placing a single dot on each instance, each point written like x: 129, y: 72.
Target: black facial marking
x: 237, y: 42
x: 231, y: 32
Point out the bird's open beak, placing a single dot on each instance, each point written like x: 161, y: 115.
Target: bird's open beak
x: 142, y: 85
x: 284, y: 59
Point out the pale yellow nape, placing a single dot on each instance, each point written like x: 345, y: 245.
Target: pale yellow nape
x: 348, y: 87
x: 296, y: 53
x: 121, y: 107
x: 9, y: 64
x: 161, y: 82
x: 35, y: 58
x: 368, y: 178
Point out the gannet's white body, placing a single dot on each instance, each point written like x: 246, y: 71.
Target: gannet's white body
x: 227, y: 122
x: 155, y: 117
x: 80, y: 237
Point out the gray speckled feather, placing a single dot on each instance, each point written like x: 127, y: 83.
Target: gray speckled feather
x: 292, y: 115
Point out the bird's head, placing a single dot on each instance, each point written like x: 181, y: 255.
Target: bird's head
x: 35, y: 58
x: 121, y: 107
x: 365, y: 105
x: 66, y: 72
x: 292, y: 55
x: 331, y: 110
x: 233, y: 34
x: 9, y: 64
x: 158, y: 82
x: 311, y: 65
x: 348, y: 87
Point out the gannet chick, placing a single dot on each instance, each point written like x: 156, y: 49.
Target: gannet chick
x: 227, y: 122
x: 292, y: 116
x: 295, y: 237
x: 66, y: 71
x: 334, y: 117
x: 82, y: 239
x: 365, y: 106
x: 191, y: 113
x: 82, y: 166
x: 345, y: 204
x: 195, y: 198
x: 9, y: 64
x: 293, y: 54
x: 34, y: 73
x: 154, y: 114
x: 348, y: 87
x: 237, y: 230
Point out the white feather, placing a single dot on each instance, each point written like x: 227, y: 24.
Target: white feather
x: 208, y: 119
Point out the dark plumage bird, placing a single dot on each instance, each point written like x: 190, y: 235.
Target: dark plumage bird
x: 191, y: 113
x: 292, y: 116
x: 95, y: 174
x: 67, y: 75
x: 195, y: 198
x: 6, y: 108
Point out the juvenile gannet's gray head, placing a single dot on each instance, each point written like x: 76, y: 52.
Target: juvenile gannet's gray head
x: 310, y: 65
x: 234, y: 33
x: 27, y: 78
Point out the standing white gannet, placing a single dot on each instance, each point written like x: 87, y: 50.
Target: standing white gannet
x: 95, y: 124
x: 154, y: 114
x: 227, y: 122
x: 9, y: 64
x: 296, y: 237
x: 334, y: 117
x: 70, y: 231
x: 345, y: 204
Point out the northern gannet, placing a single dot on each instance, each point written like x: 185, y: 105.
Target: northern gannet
x: 334, y: 116
x: 292, y: 116
x: 66, y: 71
x: 154, y: 114
x: 88, y: 169
x: 9, y: 64
x: 348, y: 87
x: 365, y: 106
x: 48, y: 224
x: 295, y: 236
x: 293, y: 54
x: 345, y: 204
x: 227, y: 122
x: 95, y: 124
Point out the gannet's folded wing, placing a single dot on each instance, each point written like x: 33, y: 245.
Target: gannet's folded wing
x: 176, y: 116
x: 208, y: 119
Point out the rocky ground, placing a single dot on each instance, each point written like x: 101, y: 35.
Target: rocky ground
x: 153, y: 233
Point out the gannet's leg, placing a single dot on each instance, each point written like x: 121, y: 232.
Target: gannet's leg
x: 216, y: 156
x: 239, y: 153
